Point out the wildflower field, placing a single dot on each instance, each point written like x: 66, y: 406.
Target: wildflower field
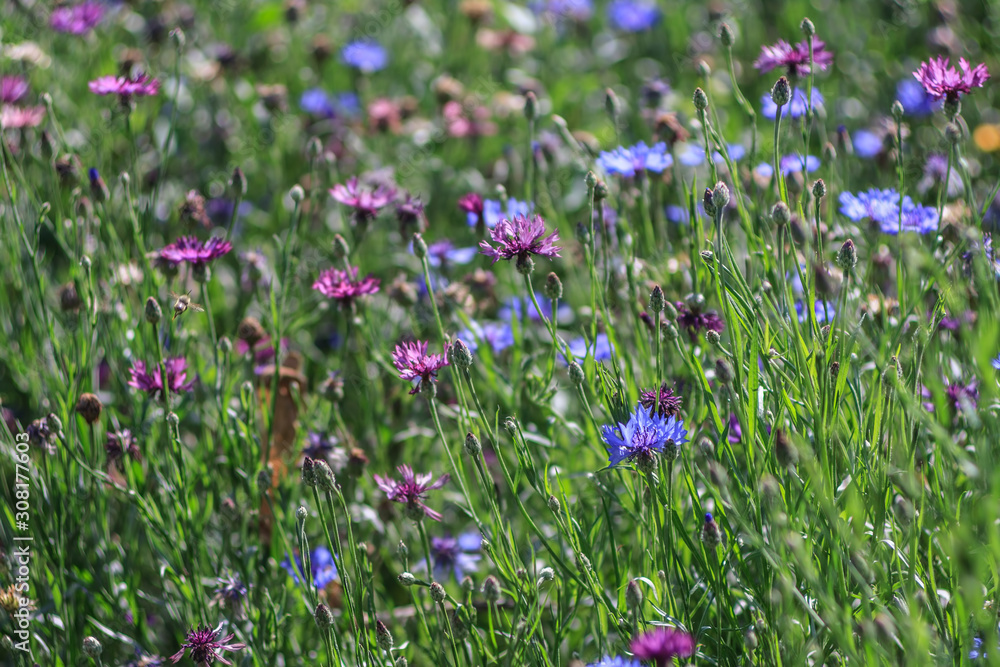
x: 570, y: 333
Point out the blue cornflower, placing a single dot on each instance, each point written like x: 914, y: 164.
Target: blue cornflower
x: 444, y: 252
x: 825, y: 310
x: 913, y: 97
x: 318, y: 102
x: 692, y: 155
x: 365, y: 55
x: 454, y: 555
x: 617, y: 661
x: 795, y: 108
x: 866, y: 144
x: 645, y: 434
x: 230, y: 592
x: 498, y: 335
x: 514, y: 306
x: 323, y: 569
x: 633, y: 15
x: 996, y: 363
x: 493, y: 211
x: 576, y: 10
x: 601, y: 348
x: 627, y: 161
x: 882, y: 207
x: 319, y: 445
x: 792, y: 164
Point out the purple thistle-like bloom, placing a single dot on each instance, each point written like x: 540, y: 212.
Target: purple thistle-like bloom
x: 76, y: 19
x: 121, y: 444
x: 960, y: 394
x: 636, y: 159
x: 946, y: 83
x: 473, y: 206
x: 344, y: 286
x: 633, y: 15
x: 192, y: 251
x: 645, y: 434
x: 152, y: 383
x: 663, y: 401
x: 12, y: 89
x: 454, y: 555
x: 231, y: 592
x: 735, y: 431
x: 412, y: 491
x: 660, y: 645
x: 366, y: 204
x: 365, y: 55
x: 520, y: 238
x: 694, y: 319
x: 125, y: 87
x: 796, y: 108
x: 206, y: 647
x: 321, y: 567
x: 794, y: 58
x: 414, y: 364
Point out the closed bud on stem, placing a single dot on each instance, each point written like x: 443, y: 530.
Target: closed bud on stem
x: 897, y: 111
x: 153, y: 311
x: 301, y: 514
x: 225, y: 345
x: 553, y: 288
x: 600, y: 191
x: 401, y: 549
x: 461, y: 355
x: 491, y: 589
x: 590, y: 179
x: 323, y: 616
x: 525, y: 265
x: 713, y: 338
x: 89, y: 407
x: 576, y: 375
x: 309, y: 471
x: 700, y: 99
x: 952, y: 131
x: 829, y: 152
x: 726, y: 35
x: 406, y: 579
x: 472, y: 445
x: 92, y: 647
x: 510, y: 424
x: 781, y: 214
x: 720, y: 197
x: 819, y: 189
x: 554, y: 505
x: 612, y: 105
x: 238, y: 182
x: 297, y: 193
x: 173, y: 419
x: 530, y: 106
x: 808, y: 29
x: 438, y: 593
x: 657, y: 301
x: 263, y: 479
x: 314, y: 148
x: 633, y: 595
x: 723, y: 371
x: 781, y: 93
x: 382, y: 636
x: 325, y: 481
x: 670, y: 331
x: 847, y: 257
x: 786, y: 453
x: 704, y: 71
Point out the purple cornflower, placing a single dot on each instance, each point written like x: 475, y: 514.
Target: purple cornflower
x: 344, y: 286
x: 125, y: 87
x: 366, y: 204
x: 795, y: 108
x: 934, y: 174
x: 442, y: 253
x: 633, y: 15
x: 365, y: 55
x: 663, y: 401
x: 645, y: 434
x: 882, y: 207
x: 415, y: 365
x: 735, y: 432
x: 321, y: 567
x: 152, y: 383
x: 962, y: 394
x: 230, y: 593
x: 412, y: 491
x: 454, y: 555
x: 694, y: 319
x: 255, y: 270
x: 636, y: 159
x: 474, y: 208
x: 794, y: 58
x: 206, y: 647
x: 601, y: 349
x: 120, y: 444
x: 825, y: 310
x: 192, y: 251
x: 946, y: 83
x: 12, y: 89
x: 410, y: 213
x: 77, y: 19
x: 617, y: 661
x: 661, y: 644
x: 520, y: 238
x: 498, y: 335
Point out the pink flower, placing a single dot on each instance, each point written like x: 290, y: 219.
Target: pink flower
x: 468, y: 123
x: 941, y: 81
x: 78, y: 19
x: 794, y: 58
x: 412, y: 491
x: 661, y: 644
x: 152, y: 383
x: 12, y: 89
x: 125, y: 87
x: 520, y: 238
x: 12, y: 117
x: 206, y: 647
x: 191, y: 250
x: 344, y: 286
x: 413, y: 363
x: 366, y: 203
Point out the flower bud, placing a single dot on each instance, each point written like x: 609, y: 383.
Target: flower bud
x: 780, y: 213
x: 406, y: 579
x: 700, y: 99
x: 323, y: 616
x: 897, y: 111
x: 553, y: 288
x: 472, y: 445
x: 704, y: 71
x: 847, y: 257
x: 612, y: 105
x: 238, y: 183
x: 711, y: 534
x: 89, y: 406
x: 297, y: 193
x: 491, y: 589
x: 808, y: 29
x: 554, y: 505
x: 723, y: 371
x: 633, y: 595
x: 590, y: 179
x: 713, y: 338
x: 461, y: 354
x: 301, y: 514
x: 784, y: 450
x: 669, y: 330
x: 530, y: 106
x: 438, y: 593
x: 525, y: 265
x: 601, y: 191
x: 726, y: 35
x: 819, y: 188
x: 720, y: 196
x: 325, y: 481
x: 781, y: 93
x: 309, y: 471
x: 382, y: 636
x: 92, y: 647
x: 173, y: 419
x: 953, y: 132
x: 576, y: 374
x: 510, y: 424
x: 656, y: 300
x: 153, y: 311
